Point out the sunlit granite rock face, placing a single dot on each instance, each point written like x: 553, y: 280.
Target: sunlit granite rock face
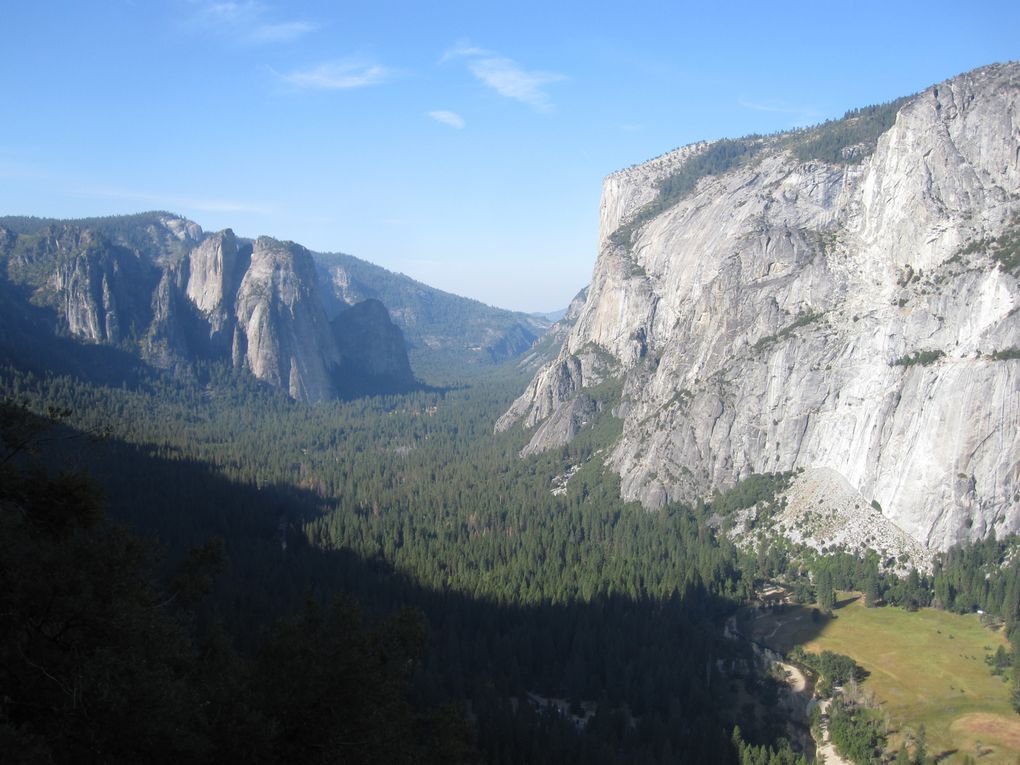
x: 282, y: 334
x: 157, y: 285
x: 851, y: 315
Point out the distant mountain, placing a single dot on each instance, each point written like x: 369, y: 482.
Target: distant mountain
x: 156, y: 287
x: 553, y: 316
x: 842, y: 300
x: 369, y: 342
x: 436, y: 324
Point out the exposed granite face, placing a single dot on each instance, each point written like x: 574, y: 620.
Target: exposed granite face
x: 757, y: 322
x: 372, y: 350
x: 281, y: 324
x: 87, y: 278
x: 214, y: 272
x: 157, y: 284
x: 546, y: 348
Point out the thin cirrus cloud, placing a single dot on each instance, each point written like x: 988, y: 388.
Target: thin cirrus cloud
x: 172, y: 201
x: 802, y: 115
x: 452, y: 119
x: 250, y: 22
x: 337, y: 75
x: 505, y: 76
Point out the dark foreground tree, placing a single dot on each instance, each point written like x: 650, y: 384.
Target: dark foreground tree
x: 97, y: 664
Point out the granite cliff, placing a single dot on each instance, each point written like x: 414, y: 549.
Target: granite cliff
x: 157, y: 286
x: 842, y: 298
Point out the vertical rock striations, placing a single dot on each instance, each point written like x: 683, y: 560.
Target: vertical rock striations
x: 843, y: 297
x: 155, y: 283
x: 282, y: 334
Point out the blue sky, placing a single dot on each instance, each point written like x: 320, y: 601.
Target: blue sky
x: 460, y: 143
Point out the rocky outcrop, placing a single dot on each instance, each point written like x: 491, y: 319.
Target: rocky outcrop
x: 546, y: 348
x: 373, y: 356
x: 803, y: 306
x: 157, y: 284
x: 281, y: 333
x: 214, y: 272
x: 88, y: 279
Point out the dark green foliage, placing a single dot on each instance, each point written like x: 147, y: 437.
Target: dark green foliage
x: 802, y: 320
x: 410, y: 500
x: 1005, y: 249
x: 835, y: 668
x: 982, y: 575
x: 924, y: 358
x: 858, y: 733
x: 718, y: 158
x: 755, y: 489
x: 98, y: 664
x: 1006, y: 354
x: 750, y: 754
x: 985, y: 576
x: 847, y: 140
x: 825, y: 589
x: 1000, y: 661
x: 872, y: 588
x: 93, y: 668
x: 921, y: 747
x: 337, y: 693
x: 911, y: 592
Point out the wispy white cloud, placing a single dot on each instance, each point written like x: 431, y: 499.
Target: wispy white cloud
x: 508, y: 79
x: 463, y: 49
x: 248, y: 21
x: 802, y: 115
x: 452, y: 119
x: 172, y: 201
x: 506, y: 76
x: 337, y: 75
x: 285, y: 31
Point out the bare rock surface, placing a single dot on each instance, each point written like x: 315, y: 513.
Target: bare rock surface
x: 824, y: 511
x: 852, y: 312
x: 158, y: 285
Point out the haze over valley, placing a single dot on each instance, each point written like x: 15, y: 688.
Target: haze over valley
x: 715, y: 461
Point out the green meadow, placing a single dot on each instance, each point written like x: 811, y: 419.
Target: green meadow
x: 924, y: 668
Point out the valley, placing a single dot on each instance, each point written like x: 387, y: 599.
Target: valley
x: 324, y: 512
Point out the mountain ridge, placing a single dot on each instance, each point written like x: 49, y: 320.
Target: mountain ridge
x: 431, y: 319
x: 180, y: 295
x: 853, y: 312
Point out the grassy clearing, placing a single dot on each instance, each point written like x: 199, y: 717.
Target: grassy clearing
x: 926, y: 667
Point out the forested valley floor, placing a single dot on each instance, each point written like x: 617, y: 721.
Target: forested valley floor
x: 375, y: 580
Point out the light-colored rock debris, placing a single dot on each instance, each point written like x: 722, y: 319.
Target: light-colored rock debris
x: 822, y: 510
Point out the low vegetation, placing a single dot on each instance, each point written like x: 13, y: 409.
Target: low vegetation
x: 1003, y: 249
x: 929, y: 668
x: 1006, y: 354
x: 802, y: 320
x: 922, y: 358
x: 848, y: 140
